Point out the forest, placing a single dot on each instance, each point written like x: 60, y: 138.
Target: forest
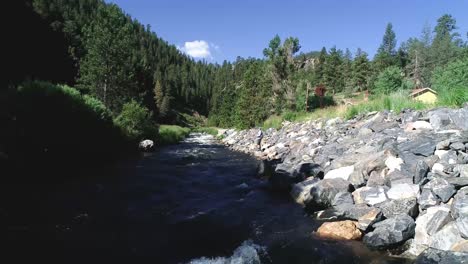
x: 94, y: 71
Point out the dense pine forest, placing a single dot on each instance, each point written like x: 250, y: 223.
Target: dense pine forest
x: 86, y: 73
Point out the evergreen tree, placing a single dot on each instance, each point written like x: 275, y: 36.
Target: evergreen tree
x: 332, y: 72
x: 386, y: 53
x: 361, y: 70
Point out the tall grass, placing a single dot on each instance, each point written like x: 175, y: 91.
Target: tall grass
x: 172, y: 134
x: 207, y: 130
x: 397, y: 102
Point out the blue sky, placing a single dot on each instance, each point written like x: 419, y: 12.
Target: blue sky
x: 224, y: 29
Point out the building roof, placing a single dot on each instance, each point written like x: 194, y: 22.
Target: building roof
x: 417, y: 92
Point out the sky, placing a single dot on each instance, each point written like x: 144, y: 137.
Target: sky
x: 217, y: 30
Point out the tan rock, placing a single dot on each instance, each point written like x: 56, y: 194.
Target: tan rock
x: 461, y: 246
x: 342, y: 230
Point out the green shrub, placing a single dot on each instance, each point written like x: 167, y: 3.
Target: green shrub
x: 273, y: 121
x: 136, y: 121
x: 52, y: 127
x: 208, y: 130
x: 389, y: 80
x: 172, y: 134
x: 451, y: 83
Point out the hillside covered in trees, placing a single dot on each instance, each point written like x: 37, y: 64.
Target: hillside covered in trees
x: 122, y: 73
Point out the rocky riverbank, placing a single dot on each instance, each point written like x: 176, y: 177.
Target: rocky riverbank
x: 396, y: 181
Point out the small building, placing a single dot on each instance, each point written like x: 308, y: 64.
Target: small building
x: 425, y: 95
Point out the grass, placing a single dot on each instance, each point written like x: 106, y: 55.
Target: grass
x: 397, y: 102
x: 208, y: 130
x: 172, y: 134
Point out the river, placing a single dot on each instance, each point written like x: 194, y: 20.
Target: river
x: 195, y: 202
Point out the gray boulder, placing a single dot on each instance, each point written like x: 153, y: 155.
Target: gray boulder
x: 370, y: 195
x: 460, y: 203
x: 427, y: 199
x: 365, y: 215
x: 146, y: 145
x: 447, y: 237
x: 459, y: 146
x: 421, y: 171
x: 323, y: 194
x: 393, y: 208
x: 441, y: 188
x: 436, y: 256
x: 391, y: 232
x: 300, y: 192
x: 462, y: 225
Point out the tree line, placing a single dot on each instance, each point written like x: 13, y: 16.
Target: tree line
x: 116, y: 59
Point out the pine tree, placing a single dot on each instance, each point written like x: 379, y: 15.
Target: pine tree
x: 386, y: 54
x: 361, y: 70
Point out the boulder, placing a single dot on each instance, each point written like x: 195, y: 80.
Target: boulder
x: 343, y: 173
x: 427, y: 199
x: 446, y: 238
x: 459, y: 146
x: 458, y: 182
x: 463, y: 169
x: 462, y: 225
x: 461, y: 246
x: 436, y: 256
x: 420, y: 125
x: 403, y: 191
x: 393, y: 163
x: 444, y: 144
x: 300, y: 192
x: 323, y: 193
x: 376, y: 179
x: 146, y: 145
x: 391, y: 208
x: 285, y: 175
x: 342, y: 198
x: 421, y: 171
x: 370, y: 195
x: 421, y: 146
x: 365, y: 215
x: 441, y: 188
x: 460, y: 203
x: 390, y: 232
x: 342, y: 230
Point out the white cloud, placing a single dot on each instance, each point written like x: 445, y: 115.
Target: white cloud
x: 198, y: 49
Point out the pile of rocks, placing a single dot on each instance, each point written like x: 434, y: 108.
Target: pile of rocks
x: 401, y: 179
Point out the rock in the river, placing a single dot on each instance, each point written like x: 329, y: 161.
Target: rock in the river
x: 365, y: 215
x: 323, y: 193
x: 390, y: 232
x: 146, y: 145
x: 343, y: 173
x: 462, y: 225
x: 370, y: 195
x: 460, y: 203
x: 403, y: 191
x: 436, y: 256
x: 300, y: 192
x: 446, y: 238
x: 342, y: 230
x: 392, y: 208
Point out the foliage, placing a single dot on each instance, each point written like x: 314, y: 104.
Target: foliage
x: 273, y: 121
x: 397, y: 102
x: 172, y: 134
x: 451, y: 83
x: 136, y: 121
x: 207, y: 130
x: 52, y: 126
x: 389, y: 80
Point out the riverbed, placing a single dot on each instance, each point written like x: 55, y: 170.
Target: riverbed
x: 196, y: 202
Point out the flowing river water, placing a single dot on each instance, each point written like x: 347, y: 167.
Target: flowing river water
x: 195, y: 202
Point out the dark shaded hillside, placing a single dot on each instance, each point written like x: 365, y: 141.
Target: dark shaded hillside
x: 33, y: 50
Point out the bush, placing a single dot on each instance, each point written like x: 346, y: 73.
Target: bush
x: 273, y: 122
x: 172, y: 134
x: 451, y: 83
x: 389, y: 80
x: 52, y: 127
x: 207, y: 130
x: 136, y: 121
